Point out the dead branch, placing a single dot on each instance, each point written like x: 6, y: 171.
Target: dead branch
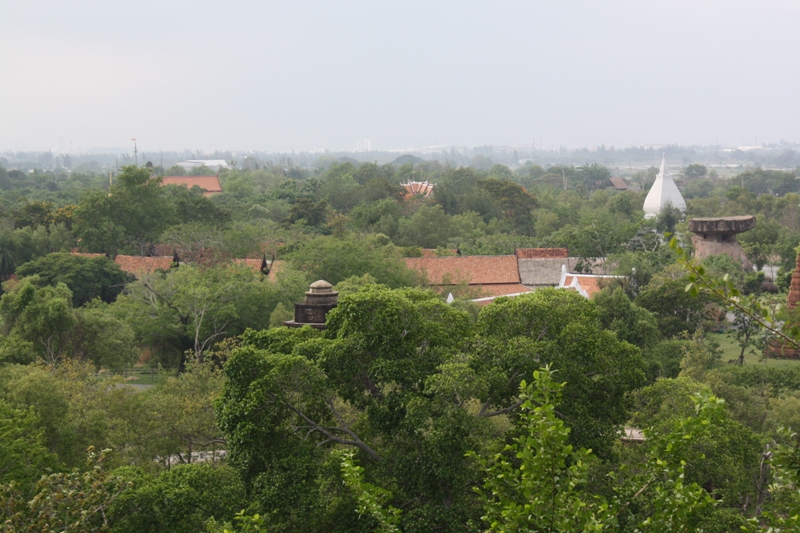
x: 328, y: 432
x: 485, y: 406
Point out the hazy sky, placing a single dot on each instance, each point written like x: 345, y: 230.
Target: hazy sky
x: 297, y: 74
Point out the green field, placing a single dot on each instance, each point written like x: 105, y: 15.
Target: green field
x: 730, y: 350
x: 140, y: 376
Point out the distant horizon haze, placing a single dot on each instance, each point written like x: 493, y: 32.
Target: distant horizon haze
x: 277, y: 77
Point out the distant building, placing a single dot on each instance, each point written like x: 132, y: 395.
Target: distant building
x: 364, y: 145
x: 541, y: 267
x: 587, y: 285
x: 414, y: 188
x: 619, y: 184
x: 527, y: 270
x: 663, y: 192
x: 140, y: 265
x: 209, y: 184
x: 213, y: 164
x: 137, y: 265
x: 495, y: 275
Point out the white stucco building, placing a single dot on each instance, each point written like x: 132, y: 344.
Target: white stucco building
x: 663, y: 192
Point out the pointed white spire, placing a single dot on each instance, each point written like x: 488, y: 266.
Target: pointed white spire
x: 663, y: 192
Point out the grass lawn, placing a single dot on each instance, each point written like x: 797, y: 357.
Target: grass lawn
x: 730, y: 350
x: 140, y: 376
x: 145, y: 376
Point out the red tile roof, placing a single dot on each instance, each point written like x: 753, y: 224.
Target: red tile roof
x: 496, y: 291
x: 587, y: 285
x: 472, y: 269
x: 418, y: 187
x: 255, y: 264
x: 136, y: 264
x: 209, y: 184
x: 542, y: 253
x: 503, y: 289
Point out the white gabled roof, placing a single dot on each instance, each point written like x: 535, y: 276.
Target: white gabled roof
x: 663, y: 192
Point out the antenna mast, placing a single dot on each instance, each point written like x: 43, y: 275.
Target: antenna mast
x: 135, y: 153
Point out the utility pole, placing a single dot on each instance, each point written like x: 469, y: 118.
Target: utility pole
x: 135, y: 153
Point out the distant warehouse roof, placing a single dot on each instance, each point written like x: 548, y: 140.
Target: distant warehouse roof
x: 213, y: 164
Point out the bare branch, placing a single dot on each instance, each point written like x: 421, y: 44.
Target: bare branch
x: 209, y: 443
x: 327, y: 431
x: 485, y: 406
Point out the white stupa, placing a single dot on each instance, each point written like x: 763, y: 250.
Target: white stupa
x: 663, y: 192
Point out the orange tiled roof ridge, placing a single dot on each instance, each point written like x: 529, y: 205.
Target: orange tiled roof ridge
x: 472, y: 269
x: 542, y: 253
x: 142, y: 264
x: 209, y: 184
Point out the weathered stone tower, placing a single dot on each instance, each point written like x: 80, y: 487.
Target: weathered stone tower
x: 715, y: 236
x: 781, y: 348
x: 319, y: 299
x: 794, y: 288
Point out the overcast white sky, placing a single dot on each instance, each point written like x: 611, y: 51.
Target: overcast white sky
x: 299, y: 74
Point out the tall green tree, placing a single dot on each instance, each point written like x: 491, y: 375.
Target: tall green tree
x: 334, y: 259
x: 562, y: 329
x: 87, y: 277
x: 129, y: 217
x: 369, y: 385
x: 41, y: 316
x: 74, y: 502
x: 179, y: 500
x: 630, y: 322
x: 517, y: 204
x: 23, y: 454
x: 42, y: 321
x: 539, y: 482
x: 191, y: 308
x: 409, y: 385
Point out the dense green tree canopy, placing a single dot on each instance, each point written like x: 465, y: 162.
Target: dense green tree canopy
x: 194, y: 307
x: 23, y: 455
x: 337, y: 259
x: 562, y: 329
x: 87, y: 277
x: 130, y: 216
x: 367, y: 425
x: 41, y: 322
x: 411, y: 384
